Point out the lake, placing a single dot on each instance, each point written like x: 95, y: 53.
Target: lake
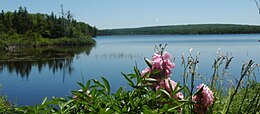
x: 28, y: 75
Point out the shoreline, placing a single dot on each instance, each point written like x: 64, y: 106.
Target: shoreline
x: 184, y: 29
x: 176, y: 34
x: 45, y: 42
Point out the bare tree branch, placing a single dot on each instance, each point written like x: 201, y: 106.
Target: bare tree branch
x: 257, y: 5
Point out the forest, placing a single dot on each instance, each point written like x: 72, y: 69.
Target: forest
x: 184, y: 29
x: 20, y: 28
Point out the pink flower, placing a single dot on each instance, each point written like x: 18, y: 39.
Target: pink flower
x: 162, y: 63
x: 160, y: 70
x: 157, y: 61
x: 146, y: 70
x: 169, y: 85
x: 166, y: 56
x: 204, y: 99
x: 167, y: 66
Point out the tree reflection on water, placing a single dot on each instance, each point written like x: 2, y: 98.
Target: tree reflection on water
x: 22, y: 61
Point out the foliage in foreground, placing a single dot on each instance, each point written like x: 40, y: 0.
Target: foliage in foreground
x: 151, y: 93
x: 5, y: 106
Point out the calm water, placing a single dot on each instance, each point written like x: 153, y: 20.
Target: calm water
x: 28, y: 75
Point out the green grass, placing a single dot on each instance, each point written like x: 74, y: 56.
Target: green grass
x: 245, y: 101
x: 138, y: 100
x: 4, y: 105
x: 64, y: 41
x: 38, y: 41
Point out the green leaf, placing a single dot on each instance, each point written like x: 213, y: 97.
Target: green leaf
x: 227, y: 102
x: 146, y: 75
x: 106, y: 84
x: 148, y: 62
x: 98, y: 83
x: 165, y: 92
x: 93, y: 86
x: 172, y: 89
x: 175, y: 90
x: 118, y: 92
x: 44, y: 100
x: 132, y: 75
x: 184, y: 101
x: 81, y: 85
x: 151, y: 80
x: 199, y: 91
x: 130, y: 82
x: 137, y: 72
x: 173, y: 108
x: 102, y: 92
x: 131, y: 101
x: 87, y: 84
x: 155, y: 71
x: 186, y: 89
x: 66, y: 104
x: 140, y: 81
x: 67, y: 111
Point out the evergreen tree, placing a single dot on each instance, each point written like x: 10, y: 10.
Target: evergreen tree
x: 48, y: 26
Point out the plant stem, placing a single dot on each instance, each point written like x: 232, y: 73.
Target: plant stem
x: 243, y: 99
x: 238, y: 85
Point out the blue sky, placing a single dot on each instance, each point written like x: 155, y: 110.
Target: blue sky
x: 107, y: 14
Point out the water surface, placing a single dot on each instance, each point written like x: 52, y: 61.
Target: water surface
x: 28, y: 75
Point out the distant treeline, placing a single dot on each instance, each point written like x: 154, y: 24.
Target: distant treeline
x: 184, y: 29
x: 48, y: 26
x: 20, y: 25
